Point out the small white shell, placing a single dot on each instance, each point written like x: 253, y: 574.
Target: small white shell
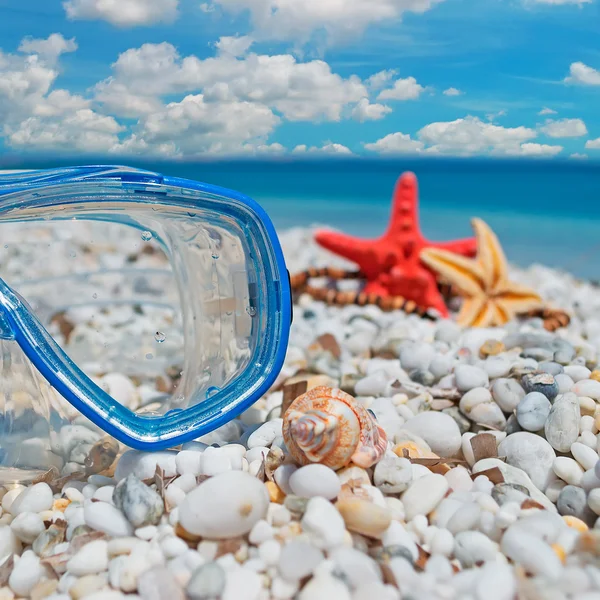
x: 328, y: 426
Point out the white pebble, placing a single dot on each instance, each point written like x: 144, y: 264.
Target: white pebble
x: 315, y: 480
x: 143, y: 464
x: 584, y: 455
x: 224, y: 506
x: 91, y: 558
x: 323, y: 523
x: 36, y: 498
x: 105, y: 517
x: 26, y: 572
x: 568, y: 470
x: 189, y: 462
x: 27, y: 526
x: 424, y: 495
x: 439, y: 430
x: 266, y: 433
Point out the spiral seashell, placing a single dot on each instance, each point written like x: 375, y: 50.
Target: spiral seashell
x: 327, y: 426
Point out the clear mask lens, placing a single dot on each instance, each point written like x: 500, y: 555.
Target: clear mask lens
x: 180, y: 287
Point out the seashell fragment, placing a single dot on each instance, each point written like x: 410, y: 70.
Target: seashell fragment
x: 326, y: 425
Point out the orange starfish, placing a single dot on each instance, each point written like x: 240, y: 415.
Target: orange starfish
x: 490, y: 298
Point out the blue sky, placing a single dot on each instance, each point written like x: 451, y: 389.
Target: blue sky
x: 186, y: 78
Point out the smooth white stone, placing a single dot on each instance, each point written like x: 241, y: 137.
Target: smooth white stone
x: 471, y: 547
x: 186, y: 482
x: 357, y: 567
x: 269, y: 552
x: 323, y: 524
x: 533, y: 411
x: 393, y: 474
x: 242, y: 584
x: 577, y: 372
x: 562, y: 424
x: 173, y: 546
x: 565, y: 383
x: 25, y: 574
x: 465, y: 518
x: 215, y: 461
x: 593, y: 500
x: 174, y: 496
x: 531, y: 453
x: 568, y: 470
x: 530, y: 552
x: 224, y: 506
x: 107, y: 518
x: 27, y: 526
x: 266, y: 433
x: 324, y: 587
x: 121, y: 389
x: 372, y: 385
x: 91, y: 558
x: 282, y: 476
x: 416, y: 356
x: 442, y: 542
x: 439, y: 430
x: 507, y: 393
x: 468, y: 377
x: 587, y: 387
x: 36, y: 498
x: 424, y: 494
x: 584, y: 455
x: 257, y: 453
x: 397, y: 535
x: 298, y: 560
x: 315, y: 480
x: 496, y: 581
x: 143, y: 464
x: 104, y: 494
x: 189, y: 462
x: 459, y: 479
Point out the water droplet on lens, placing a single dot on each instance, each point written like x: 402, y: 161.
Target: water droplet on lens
x: 94, y: 295
x: 251, y: 311
x: 160, y: 337
x: 149, y: 355
x: 6, y: 245
x: 215, y: 255
x: 146, y: 236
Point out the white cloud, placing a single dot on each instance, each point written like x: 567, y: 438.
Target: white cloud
x: 452, y: 91
x: 59, y: 102
x: 547, y: 111
x: 195, y: 126
x: 564, y: 128
x: 339, y: 19
x: 396, y: 143
x: 380, y: 80
x: 593, y: 144
x: 403, y: 89
x: 84, y: 130
x: 471, y: 136
x: 531, y: 149
x: 493, y: 116
x: 234, y: 45
x: 465, y: 137
x: 578, y: 156
x: 582, y: 74
x: 298, y: 91
x: 123, y: 13
x: 48, y: 49
x: 366, y: 111
x: 559, y: 2
x: 328, y: 148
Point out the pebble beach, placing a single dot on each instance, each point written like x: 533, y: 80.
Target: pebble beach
x: 489, y: 488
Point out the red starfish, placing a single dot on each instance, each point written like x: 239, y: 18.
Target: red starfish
x: 391, y: 263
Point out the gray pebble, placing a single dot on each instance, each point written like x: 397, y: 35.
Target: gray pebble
x: 538, y: 354
x: 540, y: 382
x: 207, y: 582
x: 507, y: 393
x: 138, y: 502
x: 565, y: 355
x: 422, y: 376
x: 533, y: 411
x: 562, y: 424
x: 463, y: 423
x: 509, y: 492
x: 572, y: 501
x: 551, y: 367
x: 512, y: 425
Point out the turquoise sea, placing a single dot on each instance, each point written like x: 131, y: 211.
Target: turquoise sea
x: 543, y: 212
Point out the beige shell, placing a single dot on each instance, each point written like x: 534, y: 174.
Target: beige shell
x: 326, y: 425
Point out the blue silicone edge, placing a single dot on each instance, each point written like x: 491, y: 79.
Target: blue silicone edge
x: 11, y: 184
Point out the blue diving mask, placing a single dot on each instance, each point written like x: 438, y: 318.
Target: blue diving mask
x: 191, y: 275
